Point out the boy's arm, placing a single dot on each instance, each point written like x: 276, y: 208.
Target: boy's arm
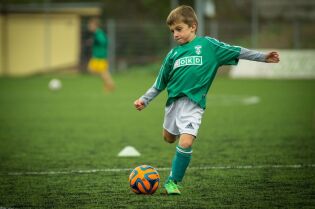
x: 270, y: 57
x: 144, y: 100
x: 158, y: 86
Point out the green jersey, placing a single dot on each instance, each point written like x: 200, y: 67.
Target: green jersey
x: 99, y: 49
x: 189, y: 69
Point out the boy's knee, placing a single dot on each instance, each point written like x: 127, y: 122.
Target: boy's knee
x: 185, y: 145
x: 186, y: 141
x: 170, y: 138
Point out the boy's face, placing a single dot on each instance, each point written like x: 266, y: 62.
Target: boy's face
x: 92, y: 26
x: 183, y: 33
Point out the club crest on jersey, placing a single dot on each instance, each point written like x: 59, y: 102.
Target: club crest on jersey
x: 190, y: 60
x: 198, y: 49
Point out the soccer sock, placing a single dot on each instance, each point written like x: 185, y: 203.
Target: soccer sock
x: 180, y: 163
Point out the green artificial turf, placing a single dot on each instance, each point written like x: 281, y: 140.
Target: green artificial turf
x: 244, y: 155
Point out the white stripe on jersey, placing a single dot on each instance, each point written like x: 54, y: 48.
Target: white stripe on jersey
x: 212, y: 41
x: 161, y: 70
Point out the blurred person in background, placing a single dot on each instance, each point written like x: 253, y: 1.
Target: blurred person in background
x: 98, y: 63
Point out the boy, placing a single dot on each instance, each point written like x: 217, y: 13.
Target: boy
x: 98, y: 64
x: 187, y: 72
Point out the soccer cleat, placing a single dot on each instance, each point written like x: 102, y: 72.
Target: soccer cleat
x: 171, y: 187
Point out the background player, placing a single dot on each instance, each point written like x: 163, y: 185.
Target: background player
x: 98, y: 63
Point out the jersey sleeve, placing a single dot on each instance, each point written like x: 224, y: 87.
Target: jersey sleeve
x: 252, y: 55
x: 163, y: 76
x: 226, y: 54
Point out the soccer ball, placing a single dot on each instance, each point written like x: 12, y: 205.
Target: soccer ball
x: 54, y: 84
x: 144, y: 179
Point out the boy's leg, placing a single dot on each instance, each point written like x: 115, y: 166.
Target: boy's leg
x: 188, y: 122
x: 180, y: 163
x: 182, y: 157
x: 186, y: 140
x: 182, y: 117
x: 108, y: 81
x: 168, y: 137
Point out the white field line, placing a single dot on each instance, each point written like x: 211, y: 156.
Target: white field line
x: 251, y: 100
x: 113, y: 170
x: 228, y: 100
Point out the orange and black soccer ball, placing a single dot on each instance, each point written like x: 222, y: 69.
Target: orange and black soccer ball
x: 144, y: 179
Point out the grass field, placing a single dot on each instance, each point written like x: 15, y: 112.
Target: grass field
x: 58, y: 148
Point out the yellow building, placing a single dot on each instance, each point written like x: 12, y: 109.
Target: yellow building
x: 38, y: 39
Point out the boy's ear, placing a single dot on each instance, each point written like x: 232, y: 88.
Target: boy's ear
x: 194, y: 27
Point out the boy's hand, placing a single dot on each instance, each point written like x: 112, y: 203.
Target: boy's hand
x: 272, y: 57
x: 139, y: 104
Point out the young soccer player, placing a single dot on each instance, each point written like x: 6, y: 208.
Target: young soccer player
x: 98, y: 64
x: 187, y: 72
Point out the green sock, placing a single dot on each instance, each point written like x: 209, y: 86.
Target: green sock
x: 180, y: 163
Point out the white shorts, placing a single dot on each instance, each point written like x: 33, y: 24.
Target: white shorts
x: 183, y: 117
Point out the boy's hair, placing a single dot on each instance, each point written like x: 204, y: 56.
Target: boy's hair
x: 185, y: 14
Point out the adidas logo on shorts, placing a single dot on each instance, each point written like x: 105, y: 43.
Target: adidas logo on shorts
x: 190, y: 126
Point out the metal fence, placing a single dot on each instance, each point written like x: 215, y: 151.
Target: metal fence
x: 282, y: 24
x: 131, y: 43
x: 139, y: 43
